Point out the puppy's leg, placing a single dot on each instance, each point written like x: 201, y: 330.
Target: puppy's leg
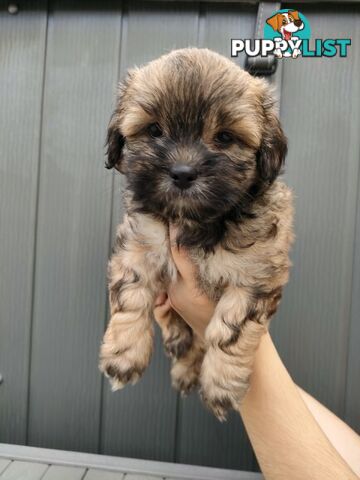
x: 232, y: 338
x: 177, y: 335
x: 128, y: 340
x: 184, y: 348
x: 185, y: 371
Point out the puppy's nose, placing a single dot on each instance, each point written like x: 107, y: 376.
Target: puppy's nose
x: 183, y: 175
x: 298, y: 23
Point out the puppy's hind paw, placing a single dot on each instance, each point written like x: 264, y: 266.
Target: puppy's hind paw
x: 184, y: 378
x: 185, y: 371
x: 178, y: 343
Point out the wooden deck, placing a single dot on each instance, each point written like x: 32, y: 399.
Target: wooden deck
x: 29, y: 463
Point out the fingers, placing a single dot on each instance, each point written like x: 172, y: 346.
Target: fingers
x: 181, y: 258
x: 162, y: 310
x: 160, y: 299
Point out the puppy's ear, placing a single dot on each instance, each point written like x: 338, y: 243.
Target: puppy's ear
x: 273, y: 148
x: 115, y: 143
x: 274, y: 21
x: 295, y: 14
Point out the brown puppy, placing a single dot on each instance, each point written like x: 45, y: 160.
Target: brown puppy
x: 200, y: 144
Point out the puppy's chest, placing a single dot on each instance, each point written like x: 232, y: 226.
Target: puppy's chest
x: 214, y: 271
x: 224, y: 268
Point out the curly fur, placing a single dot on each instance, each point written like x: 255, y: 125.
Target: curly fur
x: 235, y: 220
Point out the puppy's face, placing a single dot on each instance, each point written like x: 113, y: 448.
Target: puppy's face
x: 195, y: 136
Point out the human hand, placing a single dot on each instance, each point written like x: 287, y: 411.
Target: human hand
x: 183, y: 295
x: 295, y: 432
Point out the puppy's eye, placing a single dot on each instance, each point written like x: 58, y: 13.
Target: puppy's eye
x: 284, y: 22
x: 154, y: 130
x: 224, y: 138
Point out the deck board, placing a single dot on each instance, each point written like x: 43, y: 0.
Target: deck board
x: 31, y: 463
x: 131, y: 476
x: 60, y: 472
x: 4, y: 463
x: 94, y: 474
x: 20, y: 470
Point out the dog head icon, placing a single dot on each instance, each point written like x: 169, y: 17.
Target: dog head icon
x: 286, y: 23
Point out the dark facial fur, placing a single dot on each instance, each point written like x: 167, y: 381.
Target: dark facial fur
x: 182, y: 109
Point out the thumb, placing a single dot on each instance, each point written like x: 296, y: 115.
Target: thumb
x: 181, y: 258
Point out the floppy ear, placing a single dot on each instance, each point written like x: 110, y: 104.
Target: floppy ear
x: 274, y: 22
x: 115, y: 143
x: 273, y: 149
x: 295, y: 14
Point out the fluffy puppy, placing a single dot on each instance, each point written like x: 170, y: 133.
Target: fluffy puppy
x: 201, y: 146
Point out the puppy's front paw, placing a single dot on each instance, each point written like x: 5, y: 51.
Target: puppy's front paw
x: 223, y: 385
x: 219, y: 404
x: 124, y: 364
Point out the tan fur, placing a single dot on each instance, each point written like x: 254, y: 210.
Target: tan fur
x: 244, y: 273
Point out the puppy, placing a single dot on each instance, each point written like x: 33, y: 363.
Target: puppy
x: 201, y: 146
x: 286, y: 24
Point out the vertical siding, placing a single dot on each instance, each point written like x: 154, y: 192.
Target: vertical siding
x: 22, y: 46
x: 352, y: 398
x: 319, y: 116
x: 73, y: 227
x: 59, y: 209
x: 352, y: 410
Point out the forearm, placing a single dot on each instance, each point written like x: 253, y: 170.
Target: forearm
x: 341, y: 436
x: 287, y: 440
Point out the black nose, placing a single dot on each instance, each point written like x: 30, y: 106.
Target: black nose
x: 298, y: 23
x: 183, y: 175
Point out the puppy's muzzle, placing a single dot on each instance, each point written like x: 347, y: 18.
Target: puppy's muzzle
x: 183, y: 176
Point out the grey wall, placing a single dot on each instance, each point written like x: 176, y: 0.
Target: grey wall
x: 59, y: 64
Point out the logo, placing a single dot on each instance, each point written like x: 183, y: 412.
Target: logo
x: 287, y: 28
x: 287, y: 35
